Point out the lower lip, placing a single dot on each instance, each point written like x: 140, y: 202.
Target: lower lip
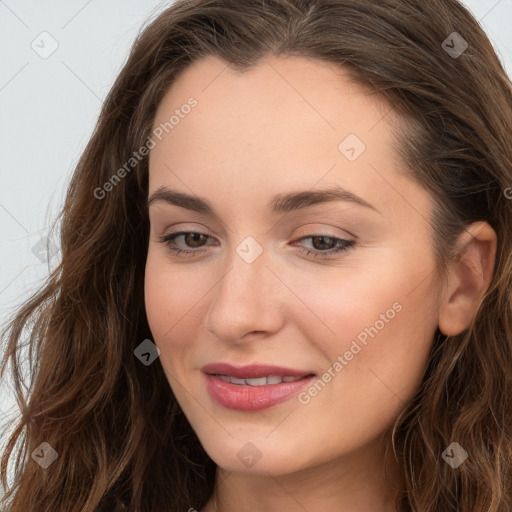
x: 252, y: 398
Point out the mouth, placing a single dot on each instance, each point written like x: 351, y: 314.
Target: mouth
x: 253, y: 387
x: 269, y: 380
x: 254, y: 372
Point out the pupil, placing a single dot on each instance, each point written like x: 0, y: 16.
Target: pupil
x: 196, y: 238
x: 323, y: 243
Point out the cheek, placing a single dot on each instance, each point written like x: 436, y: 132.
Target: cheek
x: 174, y: 299
x: 168, y: 295
x: 381, y: 322
x: 344, y: 301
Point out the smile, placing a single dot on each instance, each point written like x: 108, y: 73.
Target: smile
x: 262, y: 381
x: 254, y: 394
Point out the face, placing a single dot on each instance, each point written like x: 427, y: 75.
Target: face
x: 338, y: 291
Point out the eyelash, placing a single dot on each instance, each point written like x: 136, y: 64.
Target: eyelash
x: 168, y: 240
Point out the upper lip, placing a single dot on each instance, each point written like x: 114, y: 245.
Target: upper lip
x: 252, y: 371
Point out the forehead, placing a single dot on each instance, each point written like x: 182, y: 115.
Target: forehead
x: 288, y: 123
x: 307, y: 90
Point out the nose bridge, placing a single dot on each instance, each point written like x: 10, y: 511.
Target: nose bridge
x: 243, y: 298
x: 244, y: 282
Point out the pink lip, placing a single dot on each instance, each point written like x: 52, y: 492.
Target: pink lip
x: 252, y: 371
x: 252, y: 398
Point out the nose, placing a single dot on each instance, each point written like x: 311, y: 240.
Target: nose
x: 246, y: 301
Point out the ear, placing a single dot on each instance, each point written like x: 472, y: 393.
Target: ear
x: 469, y: 276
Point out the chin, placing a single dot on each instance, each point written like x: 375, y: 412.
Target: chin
x: 256, y: 455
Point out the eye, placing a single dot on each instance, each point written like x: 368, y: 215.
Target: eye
x: 335, y: 245
x: 195, y: 239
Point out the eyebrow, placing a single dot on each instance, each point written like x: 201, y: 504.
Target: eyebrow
x: 283, y: 203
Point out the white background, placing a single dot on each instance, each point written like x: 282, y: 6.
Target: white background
x: 48, y: 108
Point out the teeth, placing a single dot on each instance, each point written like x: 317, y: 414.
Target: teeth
x: 256, y: 382
x: 291, y: 379
x: 261, y: 381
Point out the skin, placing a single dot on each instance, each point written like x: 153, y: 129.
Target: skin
x: 274, y: 130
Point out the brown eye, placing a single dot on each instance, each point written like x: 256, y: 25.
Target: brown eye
x: 193, y: 239
x: 324, y: 246
x: 323, y: 242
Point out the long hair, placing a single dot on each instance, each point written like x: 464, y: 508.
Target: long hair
x: 121, y: 438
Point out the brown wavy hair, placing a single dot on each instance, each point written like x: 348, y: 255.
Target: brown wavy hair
x: 123, y: 442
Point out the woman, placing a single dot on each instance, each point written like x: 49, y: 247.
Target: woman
x: 286, y: 275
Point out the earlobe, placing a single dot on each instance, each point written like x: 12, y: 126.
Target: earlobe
x: 469, y: 276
